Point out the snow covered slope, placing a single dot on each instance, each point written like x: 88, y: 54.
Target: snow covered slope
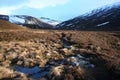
x: 25, y: 20
x: 105, y: 18
x: 50, y: 21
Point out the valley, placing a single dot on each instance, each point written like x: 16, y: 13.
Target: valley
x: 85, y: 47
x: 59, y: 55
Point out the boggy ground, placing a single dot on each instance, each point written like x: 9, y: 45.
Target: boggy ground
x: 59, y: 55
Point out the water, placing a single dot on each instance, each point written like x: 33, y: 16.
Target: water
x: 39, y: 75
x: 34, y: 72
x: 26, y: 70
x: 80, y: 61
x: 37, y: 72
x: 67, y: 46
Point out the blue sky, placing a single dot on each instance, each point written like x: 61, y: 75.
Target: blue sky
x: 55, y: 9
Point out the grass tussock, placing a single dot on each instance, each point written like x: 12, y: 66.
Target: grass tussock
x: 37, y: 47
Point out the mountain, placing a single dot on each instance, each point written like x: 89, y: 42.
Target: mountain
x: 50, y: 21
x: 7, y: 25
x: 28, y: 21
x: 105, y: 18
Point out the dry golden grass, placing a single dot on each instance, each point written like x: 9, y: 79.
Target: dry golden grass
x: 106, y: 41
x: 7, y: 25
x: 103, y: 47
x: 62, y: 72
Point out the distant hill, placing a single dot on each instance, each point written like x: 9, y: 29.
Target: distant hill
x: 7, y: 25
x: 105, y: 18
x: 50, y: 21
x: 29, y: 21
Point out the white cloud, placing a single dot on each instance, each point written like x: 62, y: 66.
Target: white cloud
x: 45, y: 3
x: 32, y: 4
x: 8, y: 10
x: 38, y: 4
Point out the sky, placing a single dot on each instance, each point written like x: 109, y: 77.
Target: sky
x: 55, y: 9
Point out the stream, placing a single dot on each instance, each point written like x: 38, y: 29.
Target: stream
x: 37, y: 72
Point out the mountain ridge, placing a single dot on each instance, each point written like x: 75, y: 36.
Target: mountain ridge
x: 104, y: 18
x: 29, y: 21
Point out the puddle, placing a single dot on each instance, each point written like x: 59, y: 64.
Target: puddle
x: 78, y: 59
x: 34, y: 72
x: 81, y: 61
x: 39, y: 75
x: 84, y: 62
x: 66, y: 46
x: 26, y: 70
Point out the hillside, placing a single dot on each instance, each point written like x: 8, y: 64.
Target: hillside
x: 7, y: 25
x: 29, y: 21
x: 105, y: 18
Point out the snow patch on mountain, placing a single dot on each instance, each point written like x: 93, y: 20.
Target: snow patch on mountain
x: 50, y: 21
x: 17, y: 20
x: 102, y: 24
x: 69, y: 24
